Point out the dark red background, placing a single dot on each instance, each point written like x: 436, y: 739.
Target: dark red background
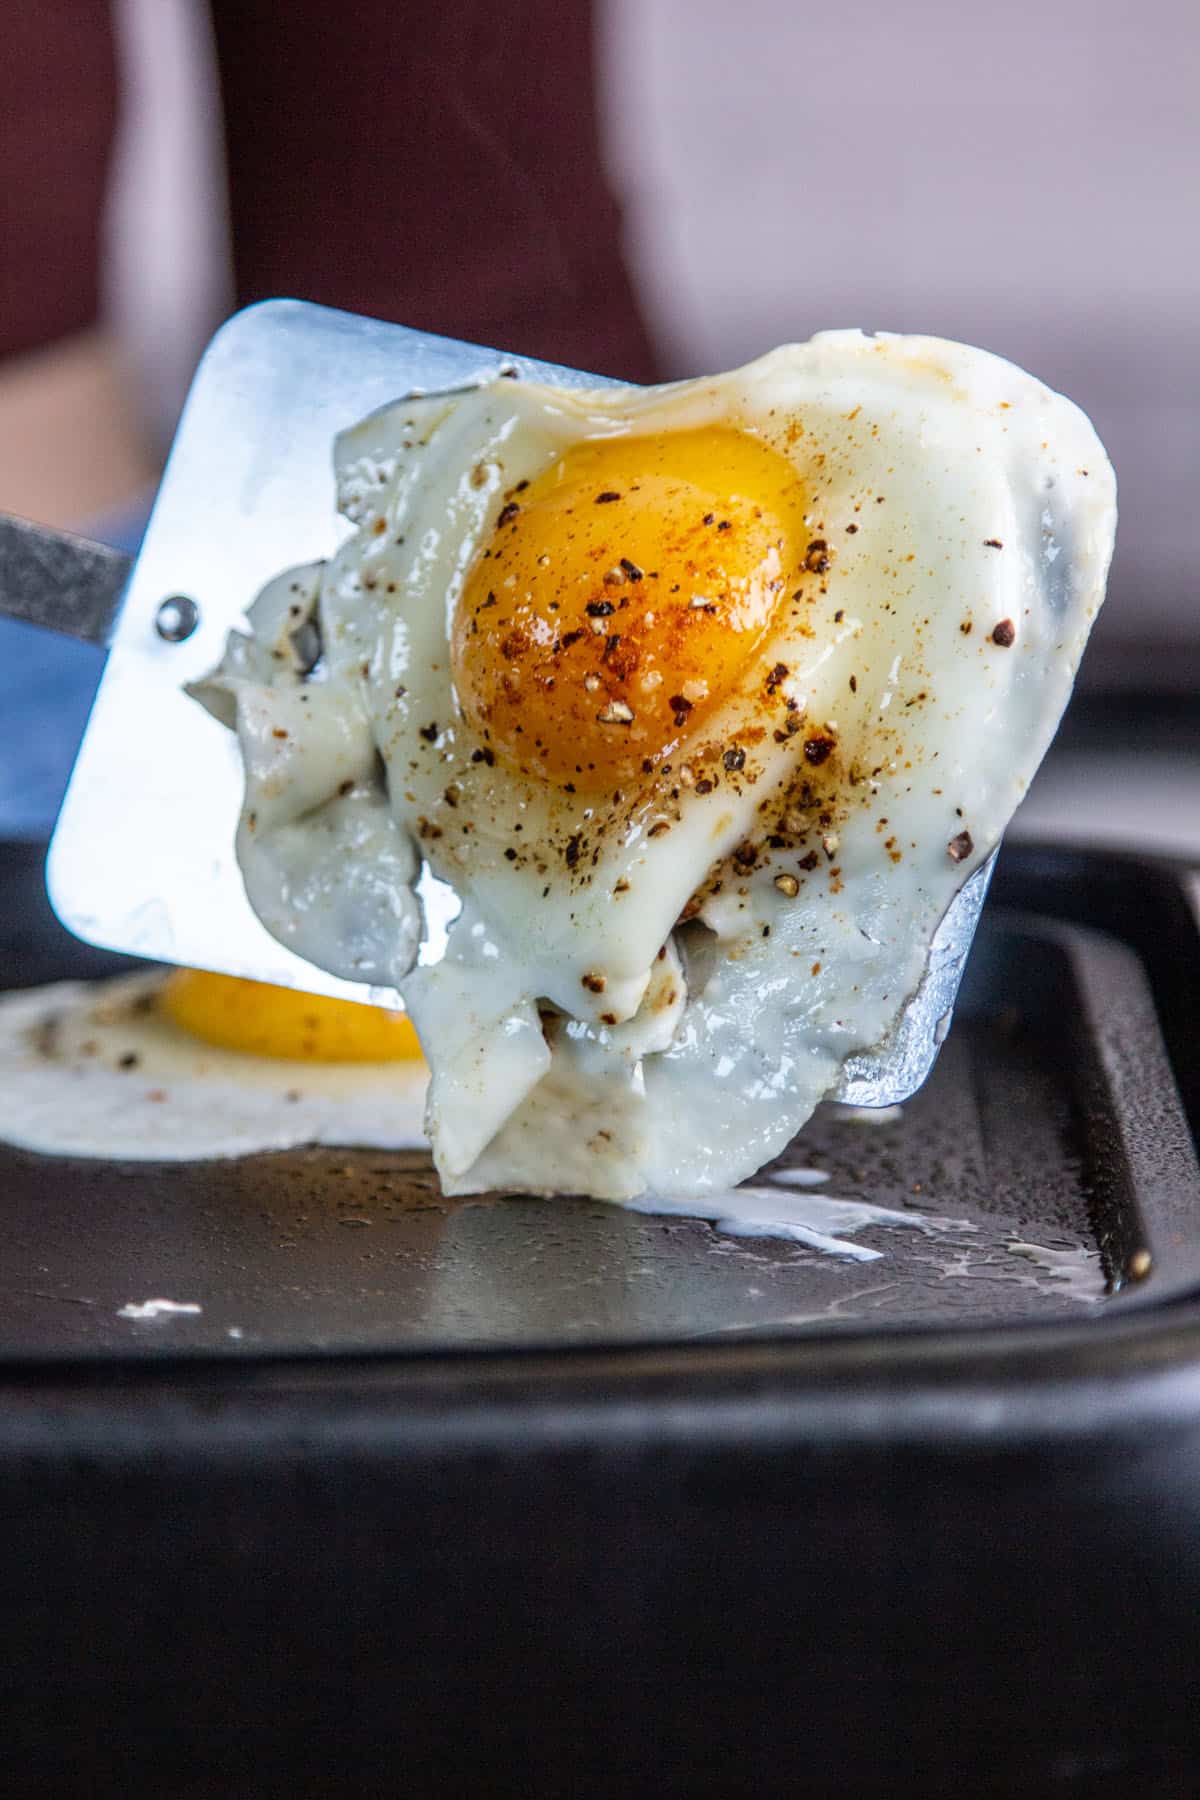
x: 432, y: 163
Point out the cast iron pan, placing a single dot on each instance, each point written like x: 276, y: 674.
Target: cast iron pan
x: 493, y: 1510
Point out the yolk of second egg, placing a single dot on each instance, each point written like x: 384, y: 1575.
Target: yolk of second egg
x: 622, y: 598
x: 261, y: 1020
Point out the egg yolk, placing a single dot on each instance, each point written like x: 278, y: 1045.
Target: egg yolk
x: 261, y: 1020
x: 622, y: 599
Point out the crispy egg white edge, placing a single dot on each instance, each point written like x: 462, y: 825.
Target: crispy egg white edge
x: 966, y: 449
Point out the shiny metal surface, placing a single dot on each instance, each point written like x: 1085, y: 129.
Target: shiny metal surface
x: 63, y: 582
x: 886, y: 1076
x: 177, y: 618
x: 142, y: 858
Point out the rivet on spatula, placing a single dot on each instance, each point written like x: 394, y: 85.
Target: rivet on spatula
x: 176, y: 618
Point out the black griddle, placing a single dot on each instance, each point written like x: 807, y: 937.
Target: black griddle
x: 514, y: 1495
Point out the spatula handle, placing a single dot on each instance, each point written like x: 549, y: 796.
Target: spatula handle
x: 63, y: 582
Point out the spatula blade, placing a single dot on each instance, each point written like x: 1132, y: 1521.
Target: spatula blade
x: 142, y: 859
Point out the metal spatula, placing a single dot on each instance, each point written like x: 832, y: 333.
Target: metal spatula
x: 142, y: 858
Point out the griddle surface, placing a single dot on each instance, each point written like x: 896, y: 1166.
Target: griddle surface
x: 1022, y: 1136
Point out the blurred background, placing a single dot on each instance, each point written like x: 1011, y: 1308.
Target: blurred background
x: 643, y: 187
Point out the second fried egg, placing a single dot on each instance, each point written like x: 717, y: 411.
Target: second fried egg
x: 187, y: 1066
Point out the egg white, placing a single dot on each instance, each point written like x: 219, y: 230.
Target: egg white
x: 957, y: 492
x: 94, y: 1069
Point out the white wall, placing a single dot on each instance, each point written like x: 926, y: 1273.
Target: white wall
x: 1024, y: 176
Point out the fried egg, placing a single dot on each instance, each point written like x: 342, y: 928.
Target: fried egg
x: 703, y: 700
x: 187, y: 1066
